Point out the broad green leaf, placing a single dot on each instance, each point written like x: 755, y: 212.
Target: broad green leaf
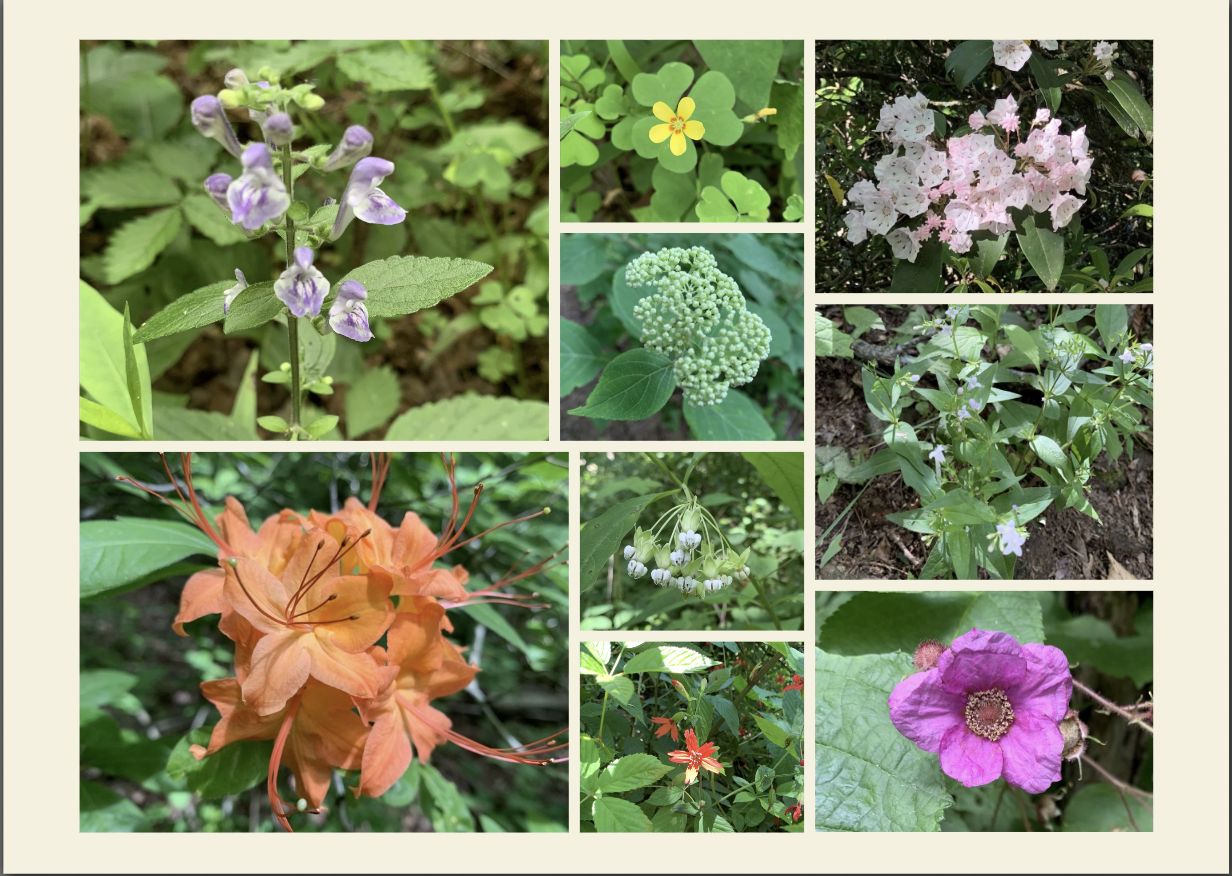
x: 751, y: 65
x: 469, y: 416
x: 674, y: 193
x: 624, y: 299
x: 632, y: 771
x: 128, y: 184
x: 1113, y: 322
x: 923, y: 276
x: 882, y: 623
x: 387, y: 69
x: 783, y: 473
x: 255, y: 306
x: 137, y: 379
x: 829, y: 340
x: 614, y: 815
x: 182, y: 424
x: 145, y: 107
x: 968, y: 60
x: 103, y: 370
x: 372, y: 400
x: 1139, y: 210
x: 736, y: 418
x: 94, y: 414
x: 622, y: 59
x: 582, y: 258
x: 989, y: 253
x: 714, y: 207
x: 234, y: 768
x: 667, y: 85
x: 715, y: 97
x: 116, y: 552
x: 1099, y: 808
x: 134, y: 246
x: 191, y: 311
x: 667, y: 658
x: 774, y: 732
x: 1048, y: 450
x: 862, y: 319
x: 869, y: 777
x: 633, y: 386
x: 444, y: 806
x: 1125, y: 90
x: 590, y: 665
x: 1024, y: 343
x: 102, y: 687
x: 1044, y: 249
x: 788, y: 122
x: 1089, y: 641
x: 602, y: 536
x: 620, y: 688
x: 581, y: 356
x: 104, y: 811
x: 203, y: 214
x: 405, y: 284
x: 188, y: 158
x: 1109, y: 103
x: 727, y: 711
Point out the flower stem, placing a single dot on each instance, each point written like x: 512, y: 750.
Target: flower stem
x: 1129, y: 716
x: 288, y: 180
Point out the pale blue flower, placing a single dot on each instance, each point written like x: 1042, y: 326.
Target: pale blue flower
x: 356, y: 144
x: 258, y: 196
x: 348, y: 315
x: 364, y: 200
x: 302, y: 288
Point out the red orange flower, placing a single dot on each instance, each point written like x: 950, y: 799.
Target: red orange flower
x: 797, y: 683
x: 697, y: 758
x: 667, y: 725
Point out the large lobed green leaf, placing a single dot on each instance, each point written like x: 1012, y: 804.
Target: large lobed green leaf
x: 869, y: 776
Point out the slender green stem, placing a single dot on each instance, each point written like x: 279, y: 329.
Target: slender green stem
x: 288, y: 180
x: 440, y: 105
x: 482, y: 209
x: 766, y: 603
x: 667, y: 471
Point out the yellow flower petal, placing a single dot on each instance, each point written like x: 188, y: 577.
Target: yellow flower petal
x: 685, y: 108
x: 678, y: 144
x: 659, y: 133
x: 662, y: 112
x: 694, y: 129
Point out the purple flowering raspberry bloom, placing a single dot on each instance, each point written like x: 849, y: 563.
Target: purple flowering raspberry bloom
x: 363, y: 200
x: 990, y: 709
x: 302, y: 288
x: 258, y: 195
x: 348, y: 315
x: 209, y: 118
x: 356, y: 144
x: 216, y: 187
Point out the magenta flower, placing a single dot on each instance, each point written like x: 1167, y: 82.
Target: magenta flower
x: 990, y: 709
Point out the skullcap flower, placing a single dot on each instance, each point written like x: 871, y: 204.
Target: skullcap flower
x: 209, y: 118
x: 348, y: 315
x: 989, y: 709
x: 258, y: 195
x: 364, y: 200
x: 302, y: 288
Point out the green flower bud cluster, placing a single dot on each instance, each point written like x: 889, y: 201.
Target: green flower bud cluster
x: 697, y: 318
x: 695, y: 557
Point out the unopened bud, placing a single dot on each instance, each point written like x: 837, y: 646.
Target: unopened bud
x: 927, y: 653
x: 1073, y: 735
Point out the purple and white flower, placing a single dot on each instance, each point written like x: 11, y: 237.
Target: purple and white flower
x: 216, y: 187
x: 302, y: 288
x: 209, y: 118
x: 348, y: 315
x: 258, y: 196
x: 229, y: 296
x: 278, y: 129
x: 363, y: 199
x: 356, y: 144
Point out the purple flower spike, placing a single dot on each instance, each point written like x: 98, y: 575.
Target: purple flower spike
x: 278, y: 129
x: 364, y: 200
x: 302, y: 288
x: 990, y: 709
x: 229, y: 295
x: 348, y: 315
x: 209, y: 118
x: 258, y: 195
x: 216, y: 187
x: 356, y: 144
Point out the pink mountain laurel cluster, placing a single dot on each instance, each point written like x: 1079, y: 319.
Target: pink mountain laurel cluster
x: 990, y: 707
x: 971, y: 183
x: 308, y: 601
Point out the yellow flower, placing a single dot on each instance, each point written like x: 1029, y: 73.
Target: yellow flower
x: 676, y: 125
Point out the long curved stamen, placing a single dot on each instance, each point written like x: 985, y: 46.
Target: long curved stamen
x: 380, y: 471
x: 188, y: 506
x: 535, y: 753
x: 235, y: 567
x: 306, y: 584
x: 328, y: 600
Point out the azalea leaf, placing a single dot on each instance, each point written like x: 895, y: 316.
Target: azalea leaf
x: 117, y: 552
x: 232, y: 769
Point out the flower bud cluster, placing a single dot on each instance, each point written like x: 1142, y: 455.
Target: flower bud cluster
x: 695, y: 557
x: 697, y: 317
x: 971, y: 182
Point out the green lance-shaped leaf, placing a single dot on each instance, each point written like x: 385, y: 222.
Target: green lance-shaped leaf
x: 668, y: 658
x: 191, y: 311
x: 602, y: 536
x: 783, y: 473
x: 1044, y: 249
x: 115, y: 553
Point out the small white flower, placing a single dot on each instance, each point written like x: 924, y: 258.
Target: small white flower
x: 629, y: 551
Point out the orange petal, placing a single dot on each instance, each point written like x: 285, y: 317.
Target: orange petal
x: 414, y: 544
x: 662, y: 112
x: 354, y: 673
x: 280, y: 666
x: 387, y: 754
x: 677, y: 145
x: 364, y: 598
x: 685, y: 108
x: 415, y: 638
x: 659, y: 133
x: 694, y: 129
x: 255, y: 594
x: 202, y: 595
x: 238, y: 721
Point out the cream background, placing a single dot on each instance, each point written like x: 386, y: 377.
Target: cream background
x: 40, y: 487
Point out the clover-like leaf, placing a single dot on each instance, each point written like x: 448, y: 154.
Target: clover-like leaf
x: 668, y: 85
x: 714, y: 96
x: 578, y: 77
x: 574, y: 147
x: 752, y: 202
x: 612, y: 104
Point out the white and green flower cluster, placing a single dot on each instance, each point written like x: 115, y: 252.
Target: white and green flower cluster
x: 698, y: 319
x: 695, y: 557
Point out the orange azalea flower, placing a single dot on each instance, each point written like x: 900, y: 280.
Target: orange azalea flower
x: 696, y: 758
x: 667, y: 725
x: 317, y: 623
x: 314, y: 732
x: 797, y: 683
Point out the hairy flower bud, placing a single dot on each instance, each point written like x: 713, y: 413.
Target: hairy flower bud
x: 927, y: 653
x: 210, y: 120
x: 356, y: 144
x: 278, y: 129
